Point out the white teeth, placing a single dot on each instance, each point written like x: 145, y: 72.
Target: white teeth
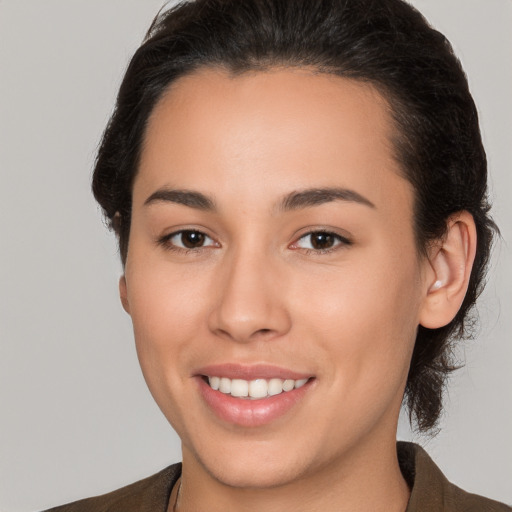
x: 275, y: 386
x: 258, y: 388
x: 239, y: 387
x: 214, y: 382
x: 225, y: 385
x: 300, y: 383
x: 288, y: 385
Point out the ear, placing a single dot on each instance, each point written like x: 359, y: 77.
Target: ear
x: 447, y: 279
x: 123, y: 293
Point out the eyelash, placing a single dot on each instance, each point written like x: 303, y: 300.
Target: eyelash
x: 166, y: 241
x: 340, y: 241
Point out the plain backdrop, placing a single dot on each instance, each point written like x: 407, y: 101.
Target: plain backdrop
x: 76, y: 418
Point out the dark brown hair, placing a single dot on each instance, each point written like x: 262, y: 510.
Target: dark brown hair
x: 386, y: 43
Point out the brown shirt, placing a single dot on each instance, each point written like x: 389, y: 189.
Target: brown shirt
x: 431, y: 491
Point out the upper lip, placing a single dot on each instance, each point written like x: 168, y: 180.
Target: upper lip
x: 250, y: 372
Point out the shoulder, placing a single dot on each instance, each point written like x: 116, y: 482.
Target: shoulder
x: 148, y: 495
x: 432, y: 492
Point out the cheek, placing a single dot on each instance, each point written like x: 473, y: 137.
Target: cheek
x: 168, y: 310
x: 366, y: 319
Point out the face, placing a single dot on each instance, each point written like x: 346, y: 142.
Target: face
x: 272, y: 255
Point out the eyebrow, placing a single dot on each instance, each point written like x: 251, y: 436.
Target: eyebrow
x: 292, y: 201
x: 185, y: 197
x: 318, y: 196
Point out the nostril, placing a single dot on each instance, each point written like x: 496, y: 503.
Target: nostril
x: 264, y: 333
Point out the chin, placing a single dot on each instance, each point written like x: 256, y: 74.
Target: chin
x: 259, y: 474
x: 245, y: 465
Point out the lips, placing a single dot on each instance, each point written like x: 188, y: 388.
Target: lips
x: 251, y: 396
x: 252, y: 372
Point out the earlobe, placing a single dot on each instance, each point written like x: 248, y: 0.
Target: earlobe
x: 123, y: 293
x: 451, y: 261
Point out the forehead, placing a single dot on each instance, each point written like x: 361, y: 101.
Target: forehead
x: 269, y: 131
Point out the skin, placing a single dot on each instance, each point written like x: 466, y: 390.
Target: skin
x: 258, y: 292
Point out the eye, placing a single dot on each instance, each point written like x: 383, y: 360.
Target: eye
x: 320, y: 241
x: 188, y: 239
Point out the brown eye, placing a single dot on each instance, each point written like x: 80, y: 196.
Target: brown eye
x: 189, y: 239
x: 192, y: 239
x: 321, y: 241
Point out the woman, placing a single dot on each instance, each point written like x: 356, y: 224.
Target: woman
x: 299, y: 193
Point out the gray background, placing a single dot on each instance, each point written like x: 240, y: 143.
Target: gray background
x: 76, y: 417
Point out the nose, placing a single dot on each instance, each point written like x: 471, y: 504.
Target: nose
x: 251, y: 300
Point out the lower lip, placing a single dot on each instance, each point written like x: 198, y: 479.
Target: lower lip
x: 251, y: 413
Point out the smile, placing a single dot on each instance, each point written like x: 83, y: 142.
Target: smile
x: 254, y: 389
x: 252, y: 395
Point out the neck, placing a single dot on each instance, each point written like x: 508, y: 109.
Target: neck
x: 367, y: 480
